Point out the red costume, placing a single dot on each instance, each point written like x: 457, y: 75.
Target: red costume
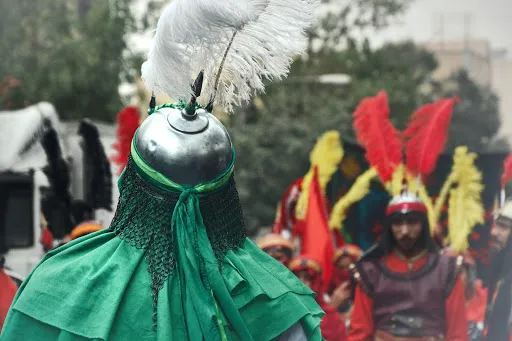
x: 7, y: 292
x: 341, y: 273
x: 477, y: 305
x: 333, y: 325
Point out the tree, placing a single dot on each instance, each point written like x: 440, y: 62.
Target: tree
x: 276, y: 131
x: 72, y: 53
x: 476, y: 119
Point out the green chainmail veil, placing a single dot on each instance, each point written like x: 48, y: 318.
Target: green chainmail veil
x: 174, y: 265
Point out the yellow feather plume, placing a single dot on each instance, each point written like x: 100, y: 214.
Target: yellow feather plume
x: 326, y: 156
x: 358, y: 191
x: 443, y: 195
x: 465, y: 205
x: 394, y: 186
x: 423, y: 195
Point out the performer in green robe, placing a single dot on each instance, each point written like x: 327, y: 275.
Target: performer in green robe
x: 175, y: 263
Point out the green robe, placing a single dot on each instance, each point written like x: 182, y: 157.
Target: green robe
x: 98, y: 288
x: 101, y: 286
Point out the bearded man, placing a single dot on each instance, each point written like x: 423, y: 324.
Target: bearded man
x: 499, y: 310
x: 407, y: 290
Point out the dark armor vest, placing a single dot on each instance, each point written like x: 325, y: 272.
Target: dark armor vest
x: 410, y: 304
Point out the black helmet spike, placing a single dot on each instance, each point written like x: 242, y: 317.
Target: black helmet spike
x: 152, y: 102
x: 196, y: 92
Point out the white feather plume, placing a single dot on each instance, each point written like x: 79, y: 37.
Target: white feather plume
x: 259, y: 36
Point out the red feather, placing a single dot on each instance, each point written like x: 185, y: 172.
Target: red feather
x: 377, y: 135
x: 426, y: 135
x: 507, y: 171
x: 128, y: 122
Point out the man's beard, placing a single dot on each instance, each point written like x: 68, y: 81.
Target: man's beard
x: 408, y: 245
x: 498, y: 264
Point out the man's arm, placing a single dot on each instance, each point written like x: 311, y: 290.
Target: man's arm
x: 456, y: 317
x: 361, y: 320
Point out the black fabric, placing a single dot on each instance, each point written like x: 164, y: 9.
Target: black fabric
x: 56, y: 204
x: 81, y: 211
x: 97, y: 168
x: 500, y: 295
x: 499, y: 329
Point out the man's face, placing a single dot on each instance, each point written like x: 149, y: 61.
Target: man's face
x: 500, y: 234
x: 305, y: 277
x: 279, y: 255
x: 406, y: 230
x: 344, y: 262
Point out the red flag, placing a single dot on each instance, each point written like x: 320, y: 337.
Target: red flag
x: 128, y: 122
x: 317, y: 240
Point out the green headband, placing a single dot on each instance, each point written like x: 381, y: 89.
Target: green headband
x: 162, y: 182
x: 199, y: 277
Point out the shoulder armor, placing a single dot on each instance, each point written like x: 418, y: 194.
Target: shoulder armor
x: 365, y: 274
x: 455, y: 265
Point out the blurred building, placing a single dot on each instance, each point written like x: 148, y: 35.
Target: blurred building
x: 486, y: 66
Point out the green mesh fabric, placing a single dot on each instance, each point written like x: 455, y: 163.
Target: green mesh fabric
x: 150, y: 228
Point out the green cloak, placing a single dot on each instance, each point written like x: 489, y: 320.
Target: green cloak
x: 175, y: 264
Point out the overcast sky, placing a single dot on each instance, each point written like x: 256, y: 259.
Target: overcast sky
x: 489, y: 19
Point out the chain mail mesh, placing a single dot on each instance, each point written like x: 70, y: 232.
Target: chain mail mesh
x: 143, y: 219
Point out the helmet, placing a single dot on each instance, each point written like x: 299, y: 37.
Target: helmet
x: 348, y: 250
x: 187, y: 148
x: 404, y: 203
x: 184, y: 142
x: 505, y: 214
x: 305, y: 263
x: 273, y: 240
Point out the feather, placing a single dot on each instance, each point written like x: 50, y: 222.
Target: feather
x: 417, y: 187
x: 326, y: 157
x: 465, y: 208
x: 128, y: 121
x: 507, y: 171
x: 237, y: 43
x: 377, y: 135
x: 443, y: 195
x: 357, y: 192
x: 396, y: 184
x: 426, y: 135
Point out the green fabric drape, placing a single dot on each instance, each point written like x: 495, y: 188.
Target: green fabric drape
x: 98, y: 287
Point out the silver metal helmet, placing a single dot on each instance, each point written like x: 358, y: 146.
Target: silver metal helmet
x: 189, y: 146
x: 404, y: 203
x: 505, y: 213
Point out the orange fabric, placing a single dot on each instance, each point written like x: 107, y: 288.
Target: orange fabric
x: 361, y: 324
x: 7, y: 292
x: 317, y: 241
x: 477, y: 304
x: 85, y: 228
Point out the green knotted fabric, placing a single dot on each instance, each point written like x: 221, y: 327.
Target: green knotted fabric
x: 171, y: 267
